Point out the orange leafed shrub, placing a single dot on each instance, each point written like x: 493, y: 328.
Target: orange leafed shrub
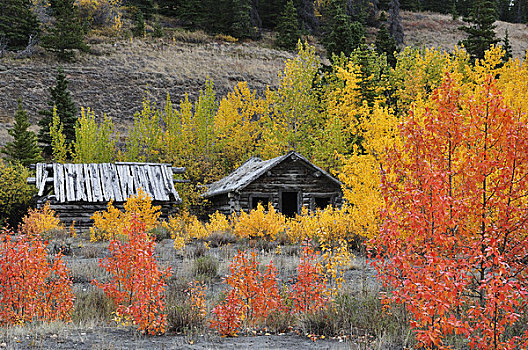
x: 32, y: 288
x: 114, y: 223
x: 252, y: 297
x: 309, y: 291
x: 138, y: 283
x: 39, y: 221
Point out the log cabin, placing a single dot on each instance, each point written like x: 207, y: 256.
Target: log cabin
x: 76, y: 191
x: 289, y: 182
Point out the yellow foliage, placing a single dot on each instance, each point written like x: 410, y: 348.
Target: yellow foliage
x: 39, y: 221
x: 218, y: 223
x: 113, y: 223
x: 184, y: 228
x: 259, y: 223
x: 336, y: 260
x: 328, y: 227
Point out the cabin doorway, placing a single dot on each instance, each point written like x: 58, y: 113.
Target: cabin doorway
x: 290, y: 203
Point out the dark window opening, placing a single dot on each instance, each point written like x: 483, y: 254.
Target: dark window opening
x: 290, y: 203
x: 262, y: 200
x: 321, y: 202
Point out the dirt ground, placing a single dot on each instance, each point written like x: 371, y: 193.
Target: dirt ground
x: 83, y: 260
x: 113, y: 338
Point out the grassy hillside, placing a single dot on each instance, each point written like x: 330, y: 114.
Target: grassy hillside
x: 114, y: 81
x: 115, y: 78
x: 437, y: 30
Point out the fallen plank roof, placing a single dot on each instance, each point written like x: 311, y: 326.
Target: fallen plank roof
x: 102, y: 182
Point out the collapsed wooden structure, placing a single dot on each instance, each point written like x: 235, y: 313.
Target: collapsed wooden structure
x: 288, y: 182
x: 77, y: 191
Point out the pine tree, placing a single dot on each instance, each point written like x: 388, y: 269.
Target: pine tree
x: 24, y: 148
x: 507, y: 47
x: 145, y: 6
x: 411, y: 5
x: 341, y: 35
x: 139, y: 28
x: 441, y: 6
x: 385, y: 44
x: 17, y: 23
x: 241, y: 25
x: 288, y: 28
x: 66, y: 110
x: 66, y: 34
x: 270, y: 12
x: 480, y: 28
x: 464, y: 7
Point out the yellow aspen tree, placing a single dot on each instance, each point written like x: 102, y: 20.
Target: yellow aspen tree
x: 94, y: 143
x: 60, y: 149
x: 295, y: 108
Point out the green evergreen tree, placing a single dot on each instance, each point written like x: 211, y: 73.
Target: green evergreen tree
x: 66, y: 110
x: 66, y: 34
x: 480, y: 28
x: 385, y: 44
x: 507, y: 47
x: 24, y: 148
x: 288, y: 33
x: 145, y: 6
x: 241, y: 24
x: 411, y: 5
x: 341, y: 35
x: 464, y: 7
x: 17, y: 23
x: 139, y: 25
x: 441, y: 6
x: 270, y: 12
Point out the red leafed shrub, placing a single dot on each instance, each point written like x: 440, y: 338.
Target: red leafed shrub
x: 309, y: 291
x: 453, y: 247
x: 31, y: 287
x: 252, y: 297
x: 138, y: 284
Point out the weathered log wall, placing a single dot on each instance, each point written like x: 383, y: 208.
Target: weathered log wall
x: 289, y: 176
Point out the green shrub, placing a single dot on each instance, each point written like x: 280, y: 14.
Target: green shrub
x: 15, y: 193
x: 205, y: 267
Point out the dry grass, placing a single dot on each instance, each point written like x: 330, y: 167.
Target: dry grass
x: 224, y: 63
x: 441, y: 31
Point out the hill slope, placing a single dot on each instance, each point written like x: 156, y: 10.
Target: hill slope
x: 441, y: 31
x: 114, y: 80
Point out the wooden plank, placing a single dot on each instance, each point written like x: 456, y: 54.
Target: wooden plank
x: 172, y: 189
x: 38, y: 175
x: 43, y: 183
x: 139, y: 163
x: 106, y: 182
x: 167, y: 182
x: 95, y: 176
x: 151, y: 178
x: 68, y: 183
x: 114, y: 182
x: 178, y: 170
x: 80, y: 190
x: 139, y: 179
x: 123, y: 178
x: 57, y: 182
x: 145, y: 181
x: 160, y: 183
x: 88, y: 182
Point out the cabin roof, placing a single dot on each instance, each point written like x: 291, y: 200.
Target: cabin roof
x: 102, y: 182
x: 253, y: 169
